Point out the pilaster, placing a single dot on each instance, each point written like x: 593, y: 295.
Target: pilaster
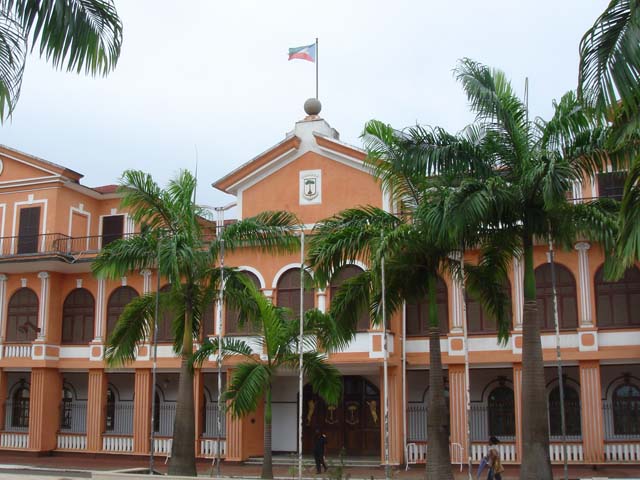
x: 591, y: 409
x: 458, y: 406
x: 45, y: 397
x: 198, y: 398
x: 96, y: 407
x: 236, y: 451
x: 142, y: 411
x: 517, y: 397
x: 376, y: 415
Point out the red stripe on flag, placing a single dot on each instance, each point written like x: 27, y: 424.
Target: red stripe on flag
x: 301, y: 56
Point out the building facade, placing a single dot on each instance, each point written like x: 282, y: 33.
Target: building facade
x: 57, y: 394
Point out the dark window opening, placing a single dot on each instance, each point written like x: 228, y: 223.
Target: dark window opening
x: 618, y: 303
x: 502, y: 417
x: 110, y: 414
x: 571, y: 412
x: 288, y: 292
x: 346, y: 272
x: 22, y: 316
x: 78, y: 313
x: 28, y: 230
x: 566, y: 295
x: 112, y: 229
x: 418, y: 312
x: 232, y: 316
x: 66, y: 409
x: 611, y: 185
x: 20, y: 408
x: 626, y: 410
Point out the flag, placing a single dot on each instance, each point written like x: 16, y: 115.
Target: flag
x: 308, y: 52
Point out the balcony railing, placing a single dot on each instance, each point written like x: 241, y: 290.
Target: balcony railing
x: 52, y: 244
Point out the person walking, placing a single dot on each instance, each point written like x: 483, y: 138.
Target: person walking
x: 319, y: 443
x: 495, y: 465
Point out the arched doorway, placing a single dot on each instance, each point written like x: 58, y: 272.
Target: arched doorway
x: 353, y: 424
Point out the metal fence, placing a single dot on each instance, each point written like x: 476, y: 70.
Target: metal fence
x: 73, y: 418
x: 609, y: 423
x: 211, y: 422
x: 122, y: 421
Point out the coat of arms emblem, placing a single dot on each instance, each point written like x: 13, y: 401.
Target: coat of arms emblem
x: 310, y: 185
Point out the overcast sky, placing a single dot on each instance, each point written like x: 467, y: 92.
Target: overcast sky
x: 214, y: 75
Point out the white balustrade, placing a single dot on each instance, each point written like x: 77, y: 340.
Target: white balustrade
x: 209, y: 448
x: 507, y: 451
x: 114, y: 443
x: 72, y: 442
x: 622, y: 452
x: 17, y: 351
x: 14, y: 440
x: 162, y: 445
x: 574, y: 452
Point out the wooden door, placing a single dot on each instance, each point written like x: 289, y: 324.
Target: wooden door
x: 352, y: 424
x: 28, y: 230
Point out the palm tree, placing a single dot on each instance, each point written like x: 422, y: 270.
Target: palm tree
x: 73, y: 34
x: 417, y: 244
x: 609, y: 79
x: 516, y: 177
x: 173, y: 239
x: 278, y: 342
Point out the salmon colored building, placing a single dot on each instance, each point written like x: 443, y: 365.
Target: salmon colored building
x: 57, y: 394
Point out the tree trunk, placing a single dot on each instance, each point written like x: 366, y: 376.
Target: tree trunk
x: 183, y: 448
x: 438, y: 455
x: 267, y: 463
x: 535, y: 464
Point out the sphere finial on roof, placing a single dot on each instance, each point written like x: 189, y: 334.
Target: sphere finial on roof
x: 312, y: 106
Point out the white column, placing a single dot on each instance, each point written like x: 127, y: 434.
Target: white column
x: 456, y: 299
x: 322, y: 300
x: 585, y: 284
x: 100, y: 310
x: 146, y: 283
x: 518, y: 279
x: 268, y: 294
x: 3, y: 308
x: 44, y: 304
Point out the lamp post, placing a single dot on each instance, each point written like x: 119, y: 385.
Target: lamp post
x: 155, y: 367
x: 385, y: 370
x: 558, y: 358
x: 220, y: 308
x: 301, y: 355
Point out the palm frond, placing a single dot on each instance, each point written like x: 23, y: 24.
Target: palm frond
x: 83, y: 34
x: 125, y: 255
x: 629, y: 236
x: 609, y: 71
x: 248, y: 383
x: 13, y: 53
x: 273, y: 232
x: 134, y: 325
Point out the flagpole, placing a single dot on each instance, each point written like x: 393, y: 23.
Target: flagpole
x: 317, y: 58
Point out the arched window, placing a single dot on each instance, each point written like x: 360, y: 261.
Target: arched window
x: 566, y: 295
x: 78, y: 312
x: 626, y: 410
x: 346, y: 272
x: 418, y: 312
x: 502, y: 417
x: 478, y: 319
x: 232, y: 316
x: 66, y: 409
x: 22, y: 316
x: 571, y: 412
x: 20, y: 408
x: 288, y: 293
x: 118, y: 300
x: 166, y: 319
x: 110, y: 417
x: 618, y: 303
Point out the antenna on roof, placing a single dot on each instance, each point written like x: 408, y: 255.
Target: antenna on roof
x: 526, y: 96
